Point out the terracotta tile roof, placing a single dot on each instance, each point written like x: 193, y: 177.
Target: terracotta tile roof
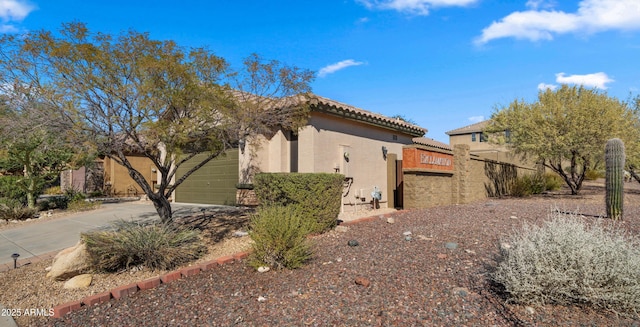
x: 477, y: 127
x: 433, y: 143
x: 364, y: 115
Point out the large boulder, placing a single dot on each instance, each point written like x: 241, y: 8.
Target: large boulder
x: 70, y: 262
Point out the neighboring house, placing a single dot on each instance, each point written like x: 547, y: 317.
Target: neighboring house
x: 363, y: 146
x: 480, y: 145
x: 478, y: 142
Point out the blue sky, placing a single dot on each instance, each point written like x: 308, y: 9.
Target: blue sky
x: 442, y: 63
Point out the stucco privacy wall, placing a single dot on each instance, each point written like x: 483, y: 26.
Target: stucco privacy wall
x: 119, y: 183
x: 321, y: 146
x: 466, y: 180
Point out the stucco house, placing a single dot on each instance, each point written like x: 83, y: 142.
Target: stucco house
x: 479, y: 144
x: 339, y: 138
x: 478, y: 141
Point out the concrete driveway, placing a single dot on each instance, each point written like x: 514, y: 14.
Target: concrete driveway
x: 40, y: 239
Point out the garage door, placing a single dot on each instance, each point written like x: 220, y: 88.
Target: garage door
x: 214, y: 183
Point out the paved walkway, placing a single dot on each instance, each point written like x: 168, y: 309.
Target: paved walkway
x: 40, y: 241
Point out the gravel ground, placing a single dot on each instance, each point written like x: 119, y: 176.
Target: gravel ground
x: 385, y: 281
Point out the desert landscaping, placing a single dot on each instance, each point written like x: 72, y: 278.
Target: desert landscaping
x: 420, y: 267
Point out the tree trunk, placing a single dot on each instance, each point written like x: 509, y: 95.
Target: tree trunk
x: 634, y: 174
x: 163, y: 207
x: 30, y: 186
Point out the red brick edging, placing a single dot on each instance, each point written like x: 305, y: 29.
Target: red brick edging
x: 153, y: 282
x: 126, y: 290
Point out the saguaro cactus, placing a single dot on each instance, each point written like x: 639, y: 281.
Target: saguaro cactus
x: 614, y: 161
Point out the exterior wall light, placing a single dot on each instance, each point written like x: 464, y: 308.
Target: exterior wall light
x: 384, y: 152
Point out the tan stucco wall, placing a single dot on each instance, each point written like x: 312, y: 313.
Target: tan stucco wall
x: 117, y: 179
x: 467, y: 183
x: 321, y: 147
x: 424, y: 190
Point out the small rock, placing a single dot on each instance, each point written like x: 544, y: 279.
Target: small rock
x: 513, y: 217
x: 461, y: 291
x: 470, y: 251
x: 505, y: 246
x: 240, y: 233
x: 530, y: 310
x: 451, y: 245
x: 363, y: 281
x: 262, y: 269
x: 390, y: 220
x: 441, y: 256
x: 353, y: 243
x: 80, y: 281
x: 407, y: 233
x: 338, y: 259
x: 261, y: 299
x: 425, y: 238
x: 407, y: 238
x: 48, y: 268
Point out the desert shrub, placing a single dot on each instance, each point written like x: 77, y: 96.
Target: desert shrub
x: 10, y: 189
x: 567, y: 261
x: 83, y: 205
x: 527, y: 185
x: 96, y: 194
x: 155, y: 246
x: 552, y: 181
x: 53, y: 202
x: 12, y: 209
x: 53, y: 190
x: 280, y: 237
x: 592, y: 174
x: 520, y: 187
x: 317, y: 195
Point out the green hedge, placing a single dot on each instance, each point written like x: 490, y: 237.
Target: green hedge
x: 318, y: 194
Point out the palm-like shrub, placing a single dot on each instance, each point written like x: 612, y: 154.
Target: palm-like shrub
x: 567, y: 261
x: 280, y: 237
x: 155, y: 246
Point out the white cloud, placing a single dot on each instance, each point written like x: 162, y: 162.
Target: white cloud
x: 537, y: 4
x: 7, y: 28
x: 415, y: 7
x: 330, y: 69
x: 476, y: 119
x: 544, y: 86
x: 12, y: 11
x: 591, y: 16
x: 15, y: 10
x: 597, y: 80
